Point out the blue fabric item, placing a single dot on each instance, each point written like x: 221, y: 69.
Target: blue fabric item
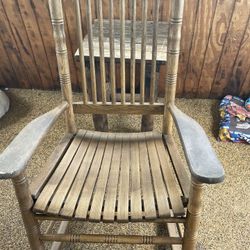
x: 235, y: 120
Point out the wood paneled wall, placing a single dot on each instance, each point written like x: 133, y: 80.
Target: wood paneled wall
x: 214, y: 59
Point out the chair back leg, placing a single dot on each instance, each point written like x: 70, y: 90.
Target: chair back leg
x: 193, y: 215
x: 57, y: 20
x: 174, y: 39
x: 25, y: 203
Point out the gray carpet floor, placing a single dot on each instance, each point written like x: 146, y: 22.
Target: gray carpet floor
x: 226, y: 210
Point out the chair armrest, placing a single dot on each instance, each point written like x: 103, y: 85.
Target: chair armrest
x: 202, y: 160
x: 14, y: 158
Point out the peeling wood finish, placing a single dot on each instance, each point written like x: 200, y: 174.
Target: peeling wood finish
x: 202, y: 160
x: 26, y: 142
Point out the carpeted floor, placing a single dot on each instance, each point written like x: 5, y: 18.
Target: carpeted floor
x: 226, y: 211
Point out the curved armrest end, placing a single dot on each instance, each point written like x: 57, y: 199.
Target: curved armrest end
x: 15, y: 157
x: 202, y: 160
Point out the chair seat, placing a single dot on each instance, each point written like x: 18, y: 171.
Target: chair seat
x: 113, y: 177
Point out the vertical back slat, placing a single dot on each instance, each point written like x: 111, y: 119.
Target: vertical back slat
x: 101, y: 46
x: 91, y: 51
x: 132, y: 63
x: 143, y: 50
x: 154, y: 52
x: 81, y: 52
x: 174, y: 37
x: 122, y: 50
x: 112, y: 51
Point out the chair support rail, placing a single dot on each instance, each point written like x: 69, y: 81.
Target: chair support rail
x: 41, y: 217
x: 111, y: 239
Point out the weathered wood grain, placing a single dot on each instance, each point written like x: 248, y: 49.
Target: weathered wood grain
x: 161, y: 40
x: 153, y: 83
x: 202, y: 31
x: 109, y: 239
x: 112, y: 49
x: 143, y: 48
x: 245, y: 88
x: 70, y: 30
x: 189, y: 18
x: 12, y: 50
x: 181, y: 172
x: 41, y: 13
x: 112, y: 177
x: 38, y: 183
x: 7, y: 74
x: 174, y: 41
x: 36, y: 41
x: 217, y: 38
x: 102, y: 60
x: 83, y: 79
x: 231, y: 48
x: 58, y: 24
x: 202, y: 160
x: 108, y: 108
x: 132, y: 60
x: 14, y: 158
x: 23, y: 44
x: 238, y: 79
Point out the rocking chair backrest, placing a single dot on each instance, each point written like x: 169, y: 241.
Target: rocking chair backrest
x: 95, y: 98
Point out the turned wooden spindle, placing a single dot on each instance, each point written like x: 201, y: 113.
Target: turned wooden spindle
x: 57, y: 20
x: 25, y: 202
x: 193, y: 215
x: 174, y: 38
x: 112, y: 239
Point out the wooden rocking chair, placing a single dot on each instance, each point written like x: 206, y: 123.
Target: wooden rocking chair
x: 105, y: 177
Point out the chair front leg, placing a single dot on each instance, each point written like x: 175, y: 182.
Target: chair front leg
x: 193, y: 215
x: 25, y: 203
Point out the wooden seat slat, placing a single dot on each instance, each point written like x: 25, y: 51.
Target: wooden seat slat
x: 146, y: 180
x: 161, y: 194
x: 65, y: 185
x: 113, y: 177
x: 111, y: 192
x: 38, y: 183
x: 88, y: 187
x: 135, y: 192
x: 50, y: 187
x: 181, y: 172
x: 123, y: 188
x: 168, y: 175
x: 98, y: 197
x: 75, y: 191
